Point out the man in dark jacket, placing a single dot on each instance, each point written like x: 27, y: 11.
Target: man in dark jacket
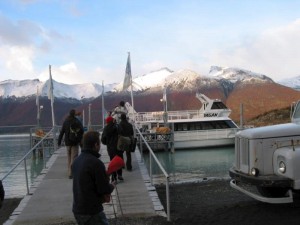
x: 91, y: 187
x: 125, y: 129
x: 72, y: 129
x: 110, y: 139
x: 2, y: 193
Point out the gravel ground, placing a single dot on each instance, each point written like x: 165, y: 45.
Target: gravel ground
x: 209, y: 203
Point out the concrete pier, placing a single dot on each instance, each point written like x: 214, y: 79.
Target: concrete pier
x: 50, y: 198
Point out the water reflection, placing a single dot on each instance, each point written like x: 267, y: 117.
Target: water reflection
x: 12, y: 149
x: 194, y: 164
x: 37, y: 164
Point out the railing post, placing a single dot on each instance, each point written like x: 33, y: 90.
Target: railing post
x: 43, y: 148
x: 168, y: 199
x: 141, y: 148
x: 54, y: 139
x: 26, y: 176
x: 150, y: 166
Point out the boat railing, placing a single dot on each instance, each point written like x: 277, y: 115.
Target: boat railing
x: 177, y: 115
x: 172, y: 115
x: 142, y: 141
x: 40, y: 145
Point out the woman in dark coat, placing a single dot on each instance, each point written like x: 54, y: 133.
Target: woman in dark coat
x: 109, y: 138
x: 126, y: 129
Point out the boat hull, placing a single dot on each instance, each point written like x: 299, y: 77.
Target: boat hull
x: 203, y: 143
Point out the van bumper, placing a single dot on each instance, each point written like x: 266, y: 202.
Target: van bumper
x: 263, y: 181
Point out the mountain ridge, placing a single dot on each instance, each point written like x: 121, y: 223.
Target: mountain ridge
x: 157, y: 79
x: 235, y: 87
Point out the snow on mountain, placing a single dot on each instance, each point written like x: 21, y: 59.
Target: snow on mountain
x: 160, y: 78
x: 18, y: 88
x: 29, y: 87
x: 293, y: 82
x: 236, y: 74
x: 150, y: 80
x: 184, y: 78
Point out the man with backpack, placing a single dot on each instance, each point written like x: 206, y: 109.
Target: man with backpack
x: 72, y: 129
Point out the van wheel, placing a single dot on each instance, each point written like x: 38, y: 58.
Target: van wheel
x: 273, y: 192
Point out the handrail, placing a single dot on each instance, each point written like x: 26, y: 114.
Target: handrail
x: 47, y: 135
x: 159, y: 165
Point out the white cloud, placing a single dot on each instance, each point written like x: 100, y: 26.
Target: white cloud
x: 67, y: 74
x: 152, y: 66
x: 17, y: 60
x: 275, y: 53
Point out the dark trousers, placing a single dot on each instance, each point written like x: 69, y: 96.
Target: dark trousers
x: 128, y: 160
x: 97, y: 219
x: 119, y: 172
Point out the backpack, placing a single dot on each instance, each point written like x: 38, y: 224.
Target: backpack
x: 75, y: 134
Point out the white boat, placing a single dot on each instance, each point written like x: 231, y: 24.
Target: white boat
x: 210, y: 126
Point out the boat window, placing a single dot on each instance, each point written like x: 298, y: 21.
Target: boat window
x: 192, y: 126
x: 179, y: 127
x: 218, y: 105
x: 184, y: 127
x: 198, y: 126
x: 221, y: 125
x: 230, y: 124
x: 207, y: 126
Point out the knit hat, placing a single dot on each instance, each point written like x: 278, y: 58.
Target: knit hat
x: 109, y: 119
x: 72, y: 112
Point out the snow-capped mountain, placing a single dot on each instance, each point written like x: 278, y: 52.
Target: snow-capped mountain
x: 293, y: 82
x: 182, y: 79
x: 233, y: 85
x: 236, y: 74
x: 150, y: 80
x: 25, y: 88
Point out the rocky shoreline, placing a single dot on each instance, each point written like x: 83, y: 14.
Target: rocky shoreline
x: 208, y: 202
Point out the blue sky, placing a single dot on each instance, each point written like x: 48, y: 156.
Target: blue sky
x: 87, y: 40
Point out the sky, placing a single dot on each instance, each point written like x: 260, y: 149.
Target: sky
x: 87, y: 41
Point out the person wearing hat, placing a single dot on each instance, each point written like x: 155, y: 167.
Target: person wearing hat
x: 109, y: 138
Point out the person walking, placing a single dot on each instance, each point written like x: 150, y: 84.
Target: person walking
x: 91, y: 187
x: 116, y: 114
x: 109, y: 138
x: 2, y: 193
x: 126, y: 129
x: 72, y: 130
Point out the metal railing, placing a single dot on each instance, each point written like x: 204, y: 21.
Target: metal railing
x: 152, y: 155
x: 38, y: 146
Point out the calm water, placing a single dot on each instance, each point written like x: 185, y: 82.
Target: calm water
x: 183, y: 165
x: 188, y: 165
x: 12, y: 149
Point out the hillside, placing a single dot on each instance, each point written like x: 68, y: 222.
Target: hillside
x: 277, y: 116
x: 258, y: 99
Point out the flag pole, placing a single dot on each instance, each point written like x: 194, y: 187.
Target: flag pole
x: 128, y: 82
x: 50, y: 95
x: 131, y: 89
x: 38, y: 106
x: 103, y: 110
